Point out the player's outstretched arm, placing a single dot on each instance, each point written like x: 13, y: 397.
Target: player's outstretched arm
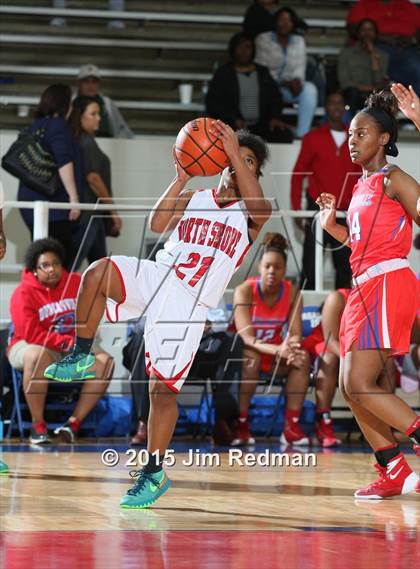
x: 408, y: 102
x: 170, y: 207
x: 259, y: 209
x: 327, y: 216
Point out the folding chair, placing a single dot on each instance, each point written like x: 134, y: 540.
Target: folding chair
x: 16, y: 419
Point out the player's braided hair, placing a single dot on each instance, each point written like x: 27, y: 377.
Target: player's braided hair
x: 382, y: 106
x: 275, y: 242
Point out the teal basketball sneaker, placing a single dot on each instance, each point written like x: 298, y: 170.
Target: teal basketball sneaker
x: 4, y: 469
x: 146, y: 489
x: 77, y: 366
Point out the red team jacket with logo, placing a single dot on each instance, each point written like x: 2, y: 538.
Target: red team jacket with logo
x: 42, y: 315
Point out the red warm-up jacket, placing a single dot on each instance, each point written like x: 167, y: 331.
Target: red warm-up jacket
x: 42, y: 315
x: 327, y: 168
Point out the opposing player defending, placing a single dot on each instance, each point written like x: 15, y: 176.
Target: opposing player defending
x: 212, y: 231
x: 380, y: 310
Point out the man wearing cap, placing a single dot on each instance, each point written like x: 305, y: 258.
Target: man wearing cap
x: 112, y: 123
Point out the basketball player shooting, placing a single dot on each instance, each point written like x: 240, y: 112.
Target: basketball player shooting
x: 212, y: 230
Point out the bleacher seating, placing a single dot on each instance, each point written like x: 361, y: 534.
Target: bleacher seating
x: 164, y: 43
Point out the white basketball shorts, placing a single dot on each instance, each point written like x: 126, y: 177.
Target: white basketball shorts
x: 174, y: 319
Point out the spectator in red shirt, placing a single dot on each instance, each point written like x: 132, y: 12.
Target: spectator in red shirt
x: 42, y: 309
x: 398, y: 23
x: 324, y: 162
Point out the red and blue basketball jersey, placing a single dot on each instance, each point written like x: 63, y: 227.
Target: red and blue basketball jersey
x: 269, y: 321
x: 380, y: 228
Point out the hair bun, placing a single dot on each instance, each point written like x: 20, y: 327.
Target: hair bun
x: 275, y: 241
x: 383, y: 100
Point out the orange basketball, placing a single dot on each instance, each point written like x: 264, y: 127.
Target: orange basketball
x: 199, y: 152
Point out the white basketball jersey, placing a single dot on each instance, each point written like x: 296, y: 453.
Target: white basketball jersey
x: 207, y: 246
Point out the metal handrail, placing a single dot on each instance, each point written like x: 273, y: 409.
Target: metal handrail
x: 41, y: 209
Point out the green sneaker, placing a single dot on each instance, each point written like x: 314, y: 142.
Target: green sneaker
x: 4, y: 469
x: 74, y: 367
x: 146, y: 489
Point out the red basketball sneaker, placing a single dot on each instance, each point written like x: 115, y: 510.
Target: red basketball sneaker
x: 394, y: 479
x: 242, y: 434
x: 325, y: 433
x: 293, y: 434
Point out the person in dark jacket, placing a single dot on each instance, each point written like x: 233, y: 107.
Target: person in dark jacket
x: 244, y: 95
x: 50, y: 122
x: 259, y: 17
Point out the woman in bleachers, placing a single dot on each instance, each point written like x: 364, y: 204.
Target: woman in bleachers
x: 90, y: 233
x: 362, y: 67
x: 284, y: 53
x: 244, y: 95
x: 42, y: 309
x: 263, y: 307
x: 50, y: 124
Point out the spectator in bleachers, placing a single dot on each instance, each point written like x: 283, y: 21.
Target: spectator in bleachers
x: 362, y: 67
x: 284, y: 53
x: 112, y: 123
x: 117, y: 5
x: 324, y: 163
x: 244, y: 95
x: 50, y: 123
x: 42, y: 310
x: 398, y: 23
x: 260, y: 17
x: 262, y: 307
x: 90, y: 233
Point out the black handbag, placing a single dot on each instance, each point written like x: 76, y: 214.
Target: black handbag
x: 35, y: 167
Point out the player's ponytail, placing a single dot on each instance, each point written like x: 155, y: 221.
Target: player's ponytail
x: 275, y: 242
x: 382, y: 106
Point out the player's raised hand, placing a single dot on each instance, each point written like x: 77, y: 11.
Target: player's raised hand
x: 181, y: 174
x: 408, y: 102
x: 227, y: 136
x: 327, y: 206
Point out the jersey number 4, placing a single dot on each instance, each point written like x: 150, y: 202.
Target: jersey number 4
x: 192, y: 262
x: 355, y: 232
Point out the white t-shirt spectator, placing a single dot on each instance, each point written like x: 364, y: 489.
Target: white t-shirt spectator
x: 284, y: 64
